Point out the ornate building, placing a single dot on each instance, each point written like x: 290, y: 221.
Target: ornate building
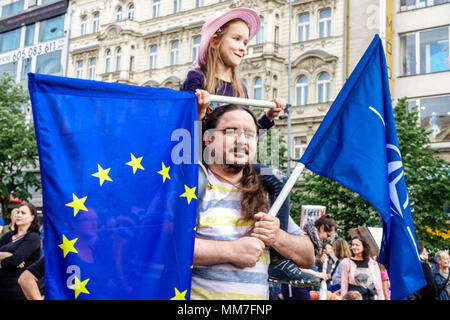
x: 154, y: 42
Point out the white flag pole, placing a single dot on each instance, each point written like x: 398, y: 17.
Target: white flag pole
x: 242, y: 101
x: 287, y: 188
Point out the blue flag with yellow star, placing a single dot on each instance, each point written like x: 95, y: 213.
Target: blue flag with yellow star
x: 119, y: 188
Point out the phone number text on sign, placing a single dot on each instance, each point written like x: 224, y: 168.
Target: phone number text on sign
x: 38, y: 49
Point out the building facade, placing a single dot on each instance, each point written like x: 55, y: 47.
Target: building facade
x: 422, y: 71
x: 33, y: 37
x: 153, y: 43
x: 416, y: 40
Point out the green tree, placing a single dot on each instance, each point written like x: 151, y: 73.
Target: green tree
x: 426, y: 176
x: 18, y: 152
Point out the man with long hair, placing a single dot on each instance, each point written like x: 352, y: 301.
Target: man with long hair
x: 231, y: 258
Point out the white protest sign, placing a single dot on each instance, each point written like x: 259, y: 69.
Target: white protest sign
x: 311, y: 213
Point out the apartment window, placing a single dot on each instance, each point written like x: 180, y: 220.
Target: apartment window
x: 260, y: 34
x: 274, y: 93
x: 29, y: 34
x: 83, y: 25
x: 199, y: 3
x: 108, y: 61
x: 303, y: 27
x: 276, y: 35
x: 324, y: 23
x: 434, y: 114
x: 300, y: 144
x: 425, y: 51
x: 49, y: 63
x: 12, y: 8
x: 26, y: 67
x: 301, y: 90
x: 174, y: 52
x: 119, y: 12
x: 80, y: 69
x: 195, y: 47
x: 323, y: 87
x: 257, y: 89
x: 156, y: 8
x: 96, y: 22
x: 406, y: 5
x: 131, y: 11
x: 51, y: 29
x: 118, y: 58
x: 10, y: 40
x: 176, y: 6
x: 10, y: 68
x: 92, y: 65
x: 153, y: 56
x: 131, y: 65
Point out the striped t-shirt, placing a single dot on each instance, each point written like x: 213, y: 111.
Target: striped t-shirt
x: 219, y: 220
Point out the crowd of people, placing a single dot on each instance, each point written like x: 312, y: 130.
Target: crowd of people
x: 21, y: 258
x: 348, y: 272
x: 240, y: 251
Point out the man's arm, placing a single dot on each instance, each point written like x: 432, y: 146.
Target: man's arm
x: 28, y: 283
x: 244, y: 252
x: 297, y: 248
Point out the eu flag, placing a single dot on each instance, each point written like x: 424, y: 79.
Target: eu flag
x: 119, y: 188
x: 356, y: 145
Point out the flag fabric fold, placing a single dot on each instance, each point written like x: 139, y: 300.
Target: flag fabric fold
x: 119, y: 197
x: 357, y: 146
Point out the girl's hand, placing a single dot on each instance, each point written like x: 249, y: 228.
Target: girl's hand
x: 274, y: 112
x: 203, y: 102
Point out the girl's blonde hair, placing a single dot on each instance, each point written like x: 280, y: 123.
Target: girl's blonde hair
x: 341, y: 249
x: 212, y: 83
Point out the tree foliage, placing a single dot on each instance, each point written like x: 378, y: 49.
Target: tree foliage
x: 426, y: 176
x: 18, y: 152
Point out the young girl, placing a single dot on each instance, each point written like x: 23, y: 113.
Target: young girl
x: 223, y: 45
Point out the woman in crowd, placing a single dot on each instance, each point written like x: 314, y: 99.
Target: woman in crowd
x: 18, y: 249
x: 361, y: 273
x: 342, y: 252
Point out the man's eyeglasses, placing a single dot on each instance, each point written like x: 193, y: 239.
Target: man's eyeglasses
x: 234, y: 132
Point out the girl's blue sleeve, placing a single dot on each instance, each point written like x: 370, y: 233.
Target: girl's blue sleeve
x: 194, y: 81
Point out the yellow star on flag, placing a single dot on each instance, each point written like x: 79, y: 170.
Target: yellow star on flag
x: 68, y: 245
x: 102, y: 174
x: 135, y: 163
x: 179, y: 295
x: 189, y: 193
x: 77, y: 204
x: 79, y: 287
x: 164, y: 172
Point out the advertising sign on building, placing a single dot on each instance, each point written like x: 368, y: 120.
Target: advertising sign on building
x: 311, y: 213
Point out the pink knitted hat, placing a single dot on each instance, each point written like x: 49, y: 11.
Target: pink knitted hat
x: 218, y: 19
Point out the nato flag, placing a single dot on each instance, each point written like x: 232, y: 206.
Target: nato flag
x: 119, y: 192
x: 357, y: 145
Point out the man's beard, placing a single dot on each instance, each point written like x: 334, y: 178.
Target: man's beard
x: 235, y: 168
